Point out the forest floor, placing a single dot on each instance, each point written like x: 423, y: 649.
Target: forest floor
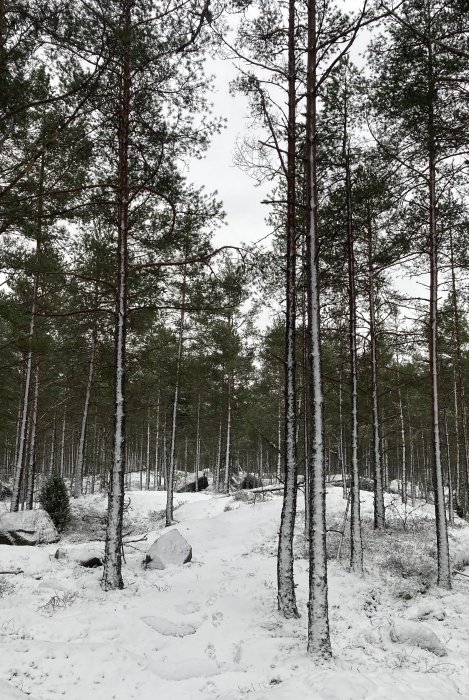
x: 210, y: 629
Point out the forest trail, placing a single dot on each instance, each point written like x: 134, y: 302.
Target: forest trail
x: 210, y: 629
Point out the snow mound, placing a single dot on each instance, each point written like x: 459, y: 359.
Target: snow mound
x: 168, y: 628
x: 424, y: 611
x: 417, y: 635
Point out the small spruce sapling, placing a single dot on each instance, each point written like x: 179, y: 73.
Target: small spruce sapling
x: 54, y: 499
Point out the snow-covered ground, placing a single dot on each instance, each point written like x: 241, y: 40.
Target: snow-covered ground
x: 210, y: 629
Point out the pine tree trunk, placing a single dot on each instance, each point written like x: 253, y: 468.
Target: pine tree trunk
x: 112, y: 575
x: 450, y: 478
x: 32, y: 444
x: 62, y: 444
x: 285, y: 577
x: 197, y: 447
x: 460, y: 401
x: 356, y: 548
x: 157, y: 475
x: 228, y: 439
x: 21, y: 450
x: 379, y: 517
x: 78, y: 484
x: 318, y: 615
x: 218, y: 463
x: 444, y: 571
x: 403, y: 451
x: 147, y: 465
x: 171, y: 466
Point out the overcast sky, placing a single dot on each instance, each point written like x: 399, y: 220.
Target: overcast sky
x: 241, y: 198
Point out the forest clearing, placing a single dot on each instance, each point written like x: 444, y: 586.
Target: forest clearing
x: 234, y: 349
x: 211, y: 628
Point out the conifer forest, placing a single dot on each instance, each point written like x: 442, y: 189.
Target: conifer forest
x: 234, y: 349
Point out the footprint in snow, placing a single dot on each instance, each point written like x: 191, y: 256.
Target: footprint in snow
x: 217, y: 619
x: 169, y: 628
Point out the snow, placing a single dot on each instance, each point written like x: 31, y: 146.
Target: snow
x: 210, y: 629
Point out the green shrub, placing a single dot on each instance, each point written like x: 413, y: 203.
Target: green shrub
x: 54, y: 499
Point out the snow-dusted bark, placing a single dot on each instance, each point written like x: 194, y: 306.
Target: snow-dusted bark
x: 318, y: 615
x: 21, y: 449
x: 172, y: 453
x: 157, y: 474
x: 197, y: 447
x: 78, y: 484
x: 62, y: 445
x: 444, y: 570
x: 356, y: 547
x: 379, y: 517
x: 403, y: 451
x: 112, y: 574
x: 462, y: 438
x: 218, y: 462
x: 32, y: 444
x: 285, y: 581
x: 279, y: 441
x: 450, y: 477
x: 147, y: 458
x: 341, y: 446
x: 228, y: 438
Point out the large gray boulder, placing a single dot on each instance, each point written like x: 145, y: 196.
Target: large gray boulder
x: 170, y: 549
x: 27, y: 527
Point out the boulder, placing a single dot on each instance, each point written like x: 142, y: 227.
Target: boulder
x: 170, y: 549
x: 202, y: 482
x: 89, y: 557
x: 27, y: 527
x: 417, y: 635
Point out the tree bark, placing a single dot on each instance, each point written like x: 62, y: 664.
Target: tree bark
x: 379, y: 516
x: 286, y: 596
x: 171, y: 466
x: 318, y: 615
x: 444, y: 570
x: 78, y: 483
x: 112, y: 575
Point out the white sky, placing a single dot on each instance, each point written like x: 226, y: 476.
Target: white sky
x: 241, y: 198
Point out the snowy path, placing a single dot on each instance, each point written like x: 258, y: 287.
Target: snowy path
x: 210, y: 629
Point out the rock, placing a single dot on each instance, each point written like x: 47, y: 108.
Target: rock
x: 27, y: 527
x: 170, y: 549
x: 417, y: 635
x: 190, y: 487
x: 89, y: 557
